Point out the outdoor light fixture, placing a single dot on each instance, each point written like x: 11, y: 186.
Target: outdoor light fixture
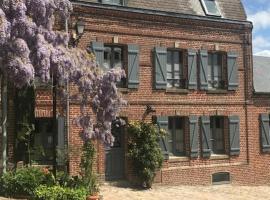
x: 80, y: 25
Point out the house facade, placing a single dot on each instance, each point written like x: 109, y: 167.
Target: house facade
x: 189, y: 70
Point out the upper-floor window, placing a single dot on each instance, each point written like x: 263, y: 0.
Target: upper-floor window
x: 215, y: 71
x: 210, y: 7
x: 113, y: 57
x: 114, y: 2
x: 175, y: 76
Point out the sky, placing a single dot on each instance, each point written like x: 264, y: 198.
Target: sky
x: 258, y: 11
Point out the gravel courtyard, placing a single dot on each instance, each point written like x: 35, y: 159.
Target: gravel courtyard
x: 221, y: 192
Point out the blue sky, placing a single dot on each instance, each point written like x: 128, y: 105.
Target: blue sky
x: 258, y: 11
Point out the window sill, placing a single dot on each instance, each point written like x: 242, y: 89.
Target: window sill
x: 219, y: 157
x: 123, y: 90
x: 218, y: 91
x: 177, y: 91
x: 178, y: 158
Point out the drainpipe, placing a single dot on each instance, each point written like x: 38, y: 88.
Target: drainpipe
x: 247, y: 66
x: 4, y: 122
x: 67, y: 109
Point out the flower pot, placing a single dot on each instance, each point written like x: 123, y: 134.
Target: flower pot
x: 92, y: 197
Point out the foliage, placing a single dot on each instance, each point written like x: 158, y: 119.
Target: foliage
x: 57, y: 192
x: 29, y: 47
x: 87, y: 159
x: 24, y: 181
x: 144, y: 151
x: 64, y: 180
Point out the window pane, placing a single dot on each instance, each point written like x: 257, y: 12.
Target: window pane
x: 107, y: 58
x: 179, y: 141
x: 117, y: 58
x: 211, y: 7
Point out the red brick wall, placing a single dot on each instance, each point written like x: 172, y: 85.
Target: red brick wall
x: 250, y: 167
x: 151, y: 31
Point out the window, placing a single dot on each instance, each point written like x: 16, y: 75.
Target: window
x: 217, y: 135
x: 42, y: 141
x: 210, y: 7
x: 175, y: 69
x: 114, y: 58
x: 175, y: 138
x: 114, y: 2
x: 215, y: 71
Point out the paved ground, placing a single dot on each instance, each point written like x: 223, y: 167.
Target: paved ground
x: 221, y: 192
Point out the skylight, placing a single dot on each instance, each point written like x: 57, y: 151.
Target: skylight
x: 210, y: 7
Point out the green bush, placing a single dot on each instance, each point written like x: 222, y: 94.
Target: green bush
x: 23, y: 182
x: 144, y: 151
x: 64, y: 180
x: 44, y: 192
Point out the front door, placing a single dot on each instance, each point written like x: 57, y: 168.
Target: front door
x: 115, y: 156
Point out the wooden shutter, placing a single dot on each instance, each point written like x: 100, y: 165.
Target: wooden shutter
x: 160, y: 61
x: 194, y: 136
x: 98, y: 50
x: 192, y: 69
x: 234, y: 135
x: 232, y: 71
x: 206, y: 136
x: 133, y: 66
x: 203, y: 69
x: 61, y: 140
x: 162, y: 123
x: 265, y: 138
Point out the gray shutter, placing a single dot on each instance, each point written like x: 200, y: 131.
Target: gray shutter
x: 192, y: 69
x: 133, y: 66
x: 162, y: 123
x: 98, y: 50
x: 265, y: 138
x: 160, y: 61
x: 232, y: 71
x: 203, y: 70
x: 194, y: 136
x: 61, y: 140
x: 234, y: 135
x: 206, y: 136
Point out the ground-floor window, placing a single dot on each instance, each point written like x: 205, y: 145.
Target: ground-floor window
x: 217, y: 134
x: 176, y: 136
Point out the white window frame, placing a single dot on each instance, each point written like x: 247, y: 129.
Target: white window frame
x: 207, y: 11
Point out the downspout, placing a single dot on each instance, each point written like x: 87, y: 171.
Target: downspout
x: 247, y: 63
x: 67, y: 108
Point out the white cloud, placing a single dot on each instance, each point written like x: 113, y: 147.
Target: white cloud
x: 261, y: 43
x: 265, y: 53
x: 260, y: 20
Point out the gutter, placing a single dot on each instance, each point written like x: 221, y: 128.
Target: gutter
x: 160, y: 13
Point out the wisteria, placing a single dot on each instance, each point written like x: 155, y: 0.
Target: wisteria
x: 30, y: 47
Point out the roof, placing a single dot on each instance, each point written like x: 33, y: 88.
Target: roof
x: 230, y: 9
x: 261, y: 74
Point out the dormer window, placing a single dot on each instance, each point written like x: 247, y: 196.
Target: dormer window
x: 210, y: 7
x: 113, y: 2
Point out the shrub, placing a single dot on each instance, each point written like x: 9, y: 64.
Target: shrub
x: 64, y: 180
x: 23, y: 182
x: 144, y: 151
x: 57, y: 192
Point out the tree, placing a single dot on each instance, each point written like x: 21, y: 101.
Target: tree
x: 30, y: 47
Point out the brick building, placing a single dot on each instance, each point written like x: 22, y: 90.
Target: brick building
x: 189, y: 61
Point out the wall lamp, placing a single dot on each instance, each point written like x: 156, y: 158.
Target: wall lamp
x: 80, y: 26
